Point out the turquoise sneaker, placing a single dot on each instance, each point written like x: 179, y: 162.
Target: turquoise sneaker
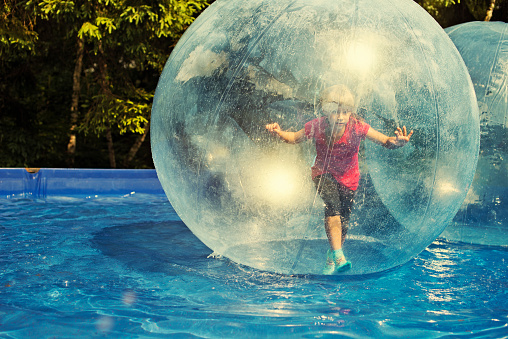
x: 340, y: 262
x: 336, y: 263
x: 329, y: 268
x: 343, y: 266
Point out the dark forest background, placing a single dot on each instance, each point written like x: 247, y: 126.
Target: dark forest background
x: 77, y: 78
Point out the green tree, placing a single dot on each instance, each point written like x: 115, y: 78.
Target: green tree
x: 29, y: 85
x: 124, y: 42
x: 17, y: 35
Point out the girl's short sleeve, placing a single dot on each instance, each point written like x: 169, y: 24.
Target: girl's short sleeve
x: 362, y: 128
x: 311, y: 128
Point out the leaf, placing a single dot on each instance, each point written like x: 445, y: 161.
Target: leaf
x: 89, y: 30
x: 107, y: 22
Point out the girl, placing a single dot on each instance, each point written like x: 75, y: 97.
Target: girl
x: 335, y: 172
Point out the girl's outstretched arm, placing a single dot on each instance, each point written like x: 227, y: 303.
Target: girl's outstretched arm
x: 400, y: 139
x: 289, y: 137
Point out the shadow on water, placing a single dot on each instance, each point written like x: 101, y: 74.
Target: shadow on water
x: 170, y: 248
x: 166, y: 247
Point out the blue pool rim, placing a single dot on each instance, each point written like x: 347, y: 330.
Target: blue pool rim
x: 47, y: 182
x: 22, y: 183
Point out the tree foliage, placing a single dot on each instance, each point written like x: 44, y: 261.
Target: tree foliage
x: 126, y: 44
x: 124, y: 39
x: 17, y: 34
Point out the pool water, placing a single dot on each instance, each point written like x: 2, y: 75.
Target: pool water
x: 128, y: 267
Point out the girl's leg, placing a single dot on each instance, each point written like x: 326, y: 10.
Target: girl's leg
x: 329, y: 191
x: 335, y: 259
x: 338, y: 203
x: 333, y: 227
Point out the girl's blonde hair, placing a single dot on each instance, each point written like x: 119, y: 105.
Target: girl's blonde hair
x: 339, y: 94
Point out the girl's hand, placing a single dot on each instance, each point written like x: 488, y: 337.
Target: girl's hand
x: 273, y: 128
x: 401, y: 136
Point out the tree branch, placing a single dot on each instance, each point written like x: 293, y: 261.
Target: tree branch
x: 490, y: 10
x: 76, y: 89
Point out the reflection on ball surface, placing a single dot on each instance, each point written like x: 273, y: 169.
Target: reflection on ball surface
x: 250, y: 197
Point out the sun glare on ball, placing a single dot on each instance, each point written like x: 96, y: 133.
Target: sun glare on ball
x: 274, y: 183
x: 360, y: 57
x: 279, y: 185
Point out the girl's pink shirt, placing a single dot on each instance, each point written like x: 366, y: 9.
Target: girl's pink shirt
x: 341, y: 159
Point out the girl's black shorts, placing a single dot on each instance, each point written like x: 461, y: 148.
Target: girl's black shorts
x: 338, y: 199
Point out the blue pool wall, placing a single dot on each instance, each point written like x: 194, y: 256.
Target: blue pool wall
x: 47, y: 182
x: 89, y: 183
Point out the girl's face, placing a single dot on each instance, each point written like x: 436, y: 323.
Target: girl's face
x: 337, y: 114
